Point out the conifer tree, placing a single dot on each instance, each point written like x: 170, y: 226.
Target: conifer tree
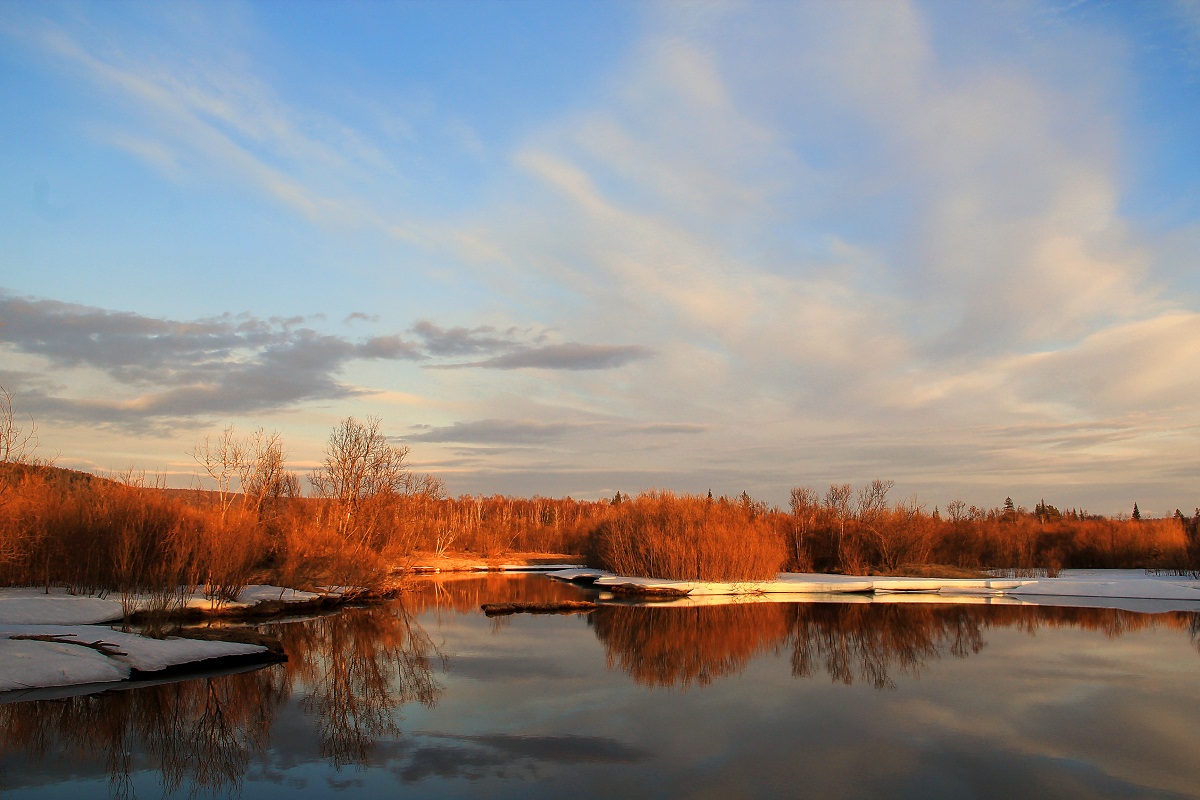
x: 1010, y: 510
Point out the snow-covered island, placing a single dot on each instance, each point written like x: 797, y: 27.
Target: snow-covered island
x: 1130, y: 590
x: 54, y: 638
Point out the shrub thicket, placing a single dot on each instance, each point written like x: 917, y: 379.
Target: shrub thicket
x: 684, y: 537
x: 59, y: 527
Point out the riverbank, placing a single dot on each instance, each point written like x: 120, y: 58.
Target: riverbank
x: 56, y: 638
x: 1130, y: 590
x: 425, y: 562
x: 58, y: 606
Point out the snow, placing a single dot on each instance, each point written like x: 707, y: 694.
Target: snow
x: 259, y: 593
x: 1133, y: 590
x: 578, y: 573
x: 31, y: 663
x: 20, y: 606
x: 1113, y: 584
x: 26, y: 663
x: 808, y: 583
x: 58, y: 607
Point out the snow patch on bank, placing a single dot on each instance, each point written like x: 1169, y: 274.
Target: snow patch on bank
x: 96, y: 654
x: 24, y: 605
x: 32, y: 664
x: 1133, y: 590
x: 88, y: 653
x: 800, y: 583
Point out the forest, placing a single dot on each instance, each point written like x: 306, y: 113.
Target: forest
x: 368, y: 517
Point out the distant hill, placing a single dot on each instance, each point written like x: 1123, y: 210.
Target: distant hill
x: 67, y: 478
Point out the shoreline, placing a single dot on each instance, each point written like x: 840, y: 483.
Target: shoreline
x: 51, y: 641
x: 1129, y: 590
x: 58, y: 641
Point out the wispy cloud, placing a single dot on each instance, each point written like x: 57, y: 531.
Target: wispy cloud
x: 569, y: 356
x: 204, y: 112
x: 526, y: 432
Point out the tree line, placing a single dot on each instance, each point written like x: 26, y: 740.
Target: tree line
x: 369, y: 514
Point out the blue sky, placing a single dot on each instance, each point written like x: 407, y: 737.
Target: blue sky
x: 575, y: 248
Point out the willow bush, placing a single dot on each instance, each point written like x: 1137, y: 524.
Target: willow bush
x: 686, y: 537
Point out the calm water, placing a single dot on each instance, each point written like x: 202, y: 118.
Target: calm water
x: 431, y: 699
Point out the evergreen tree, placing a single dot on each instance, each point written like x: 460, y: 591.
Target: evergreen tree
x: 1136, y: 514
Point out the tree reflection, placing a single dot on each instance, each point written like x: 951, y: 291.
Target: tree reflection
x: 358, y: 669
x: 663, y: 646
x: 200, y: 732
x: 353, y: 671
x: 870, y: 642
x: 875, y: 641
x: 464, y: 593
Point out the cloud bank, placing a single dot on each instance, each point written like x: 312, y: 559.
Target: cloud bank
x: 174, y: 370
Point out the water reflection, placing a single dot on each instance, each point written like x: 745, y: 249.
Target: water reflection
x: 202, y: 731
x: 465, y: 593
x: 876, y: 641
x: 358, y: 670
x: 475, y: 756
x: 674, y: 646
x: 534, y: 702
x: 353, y: 672
x: 660, y: 646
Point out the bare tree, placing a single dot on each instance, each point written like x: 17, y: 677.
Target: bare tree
x: 263, y: 475
x: 804, y: 504
x: 837, y: 500
x: 17, y: 443
x: 425, y: 485
x: 872, y: 499
x: 223, y: 460
x: 908, y: 537
x: 360, y: 464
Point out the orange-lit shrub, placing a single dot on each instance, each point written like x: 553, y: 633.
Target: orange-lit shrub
x: 661, y: 535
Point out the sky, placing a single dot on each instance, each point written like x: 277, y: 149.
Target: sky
x: 575, y: 248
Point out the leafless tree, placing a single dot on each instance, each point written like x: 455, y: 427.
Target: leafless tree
x: 222, y: 459
x: 805, y: 505
x: 262, y: 474
x: 360, y: 464
x: 426, y: 486
x: 837, y: 500
x: 872, y: 499
x: 17, y: 443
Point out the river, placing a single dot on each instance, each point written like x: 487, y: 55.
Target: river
x: 427, y: 697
